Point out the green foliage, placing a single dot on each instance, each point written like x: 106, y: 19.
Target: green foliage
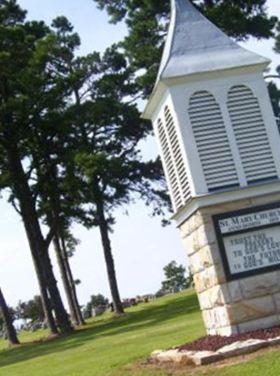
x: 277, y: 39
x: 33, y: 94
x: 176, y: 279
x: 69, y: 135
x: 273, y: 87
x: 147, y: 23
x: 72, y: 123
x: 105, y: 131
x: 91, y: 147
x: 95, y: 301
x: 33, y: 97
x: 32, y: 310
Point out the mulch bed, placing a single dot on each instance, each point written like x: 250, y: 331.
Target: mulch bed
x: 214, y: 343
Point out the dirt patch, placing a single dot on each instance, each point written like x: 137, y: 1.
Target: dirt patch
x: 214, y: 343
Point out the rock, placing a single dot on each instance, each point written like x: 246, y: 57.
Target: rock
x: 235, y: 292
x: 260, y: 285
x: 241, y: 347
x: 171, y: 356
x: 274, y: 341
x: 201, y: 358
x: 264, y: 322
x: 246, y: 310
x: 206, y: 357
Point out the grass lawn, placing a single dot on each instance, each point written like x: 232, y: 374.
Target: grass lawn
x: 117, y: 346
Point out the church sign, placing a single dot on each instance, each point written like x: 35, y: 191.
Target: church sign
x: 249, y: 240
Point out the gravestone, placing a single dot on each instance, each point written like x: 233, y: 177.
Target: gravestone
x: 219, y: 146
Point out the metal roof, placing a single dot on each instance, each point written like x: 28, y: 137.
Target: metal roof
x: 196, y: 45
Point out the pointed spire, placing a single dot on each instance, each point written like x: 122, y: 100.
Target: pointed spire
x: 196, y: 45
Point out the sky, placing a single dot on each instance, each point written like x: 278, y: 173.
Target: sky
x: 141, y: 246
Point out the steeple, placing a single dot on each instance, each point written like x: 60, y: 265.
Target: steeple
x: 196, y: 45
x: 219, y: 145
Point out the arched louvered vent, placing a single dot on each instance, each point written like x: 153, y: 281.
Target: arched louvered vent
x: 174, y: 165
x: 250, y: 134
x: 212, y: 141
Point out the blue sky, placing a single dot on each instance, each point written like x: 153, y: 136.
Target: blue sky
x: 92, y: 25
x: 141, y: 246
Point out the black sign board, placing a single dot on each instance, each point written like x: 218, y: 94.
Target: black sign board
x: 249, y: 240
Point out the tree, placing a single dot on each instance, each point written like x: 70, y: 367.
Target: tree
x: 95, y: 301
x: 103, y: 167
x: 68, y: 142
x: 175, y: 278
x: 109, y: 163
x: 32, y: 310
x: 274, y: 93
x: 147, y: 23
x: 277, y: 40
x: 273, y: 87
x: 8, y: 321
x: 56, y: 199
x: 67, y: 278
x: 30, y: 100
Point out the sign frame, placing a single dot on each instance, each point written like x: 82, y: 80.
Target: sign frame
x: 220, y: 239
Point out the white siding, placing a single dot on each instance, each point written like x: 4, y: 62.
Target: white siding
x: 251, y: 135
x: 173, y: 162
x: 212, y: 141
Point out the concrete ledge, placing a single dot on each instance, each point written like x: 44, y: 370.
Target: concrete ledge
x: 200, y: 358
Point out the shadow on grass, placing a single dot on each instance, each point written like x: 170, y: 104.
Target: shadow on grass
x: 149, y: 315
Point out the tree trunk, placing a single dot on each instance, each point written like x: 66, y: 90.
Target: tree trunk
x: 38, y: 246
x: 103, y: 228
x: 62, y: 258
x: 11, y: 332
x: 47, y: 307
x: 65, y: 281
x: 72, y: 283
x: 61, y: 315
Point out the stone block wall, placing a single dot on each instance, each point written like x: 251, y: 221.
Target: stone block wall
x: 228, y: 307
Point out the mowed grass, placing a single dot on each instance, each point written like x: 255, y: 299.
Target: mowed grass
x: 119, y: 346
x: 107, y: 344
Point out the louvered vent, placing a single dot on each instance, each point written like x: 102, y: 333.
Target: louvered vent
x: 212, y: 141
x: 173, y: 161
x: 251, y: 135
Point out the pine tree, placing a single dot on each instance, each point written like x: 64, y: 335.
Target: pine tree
x: 107, y: 168
x: 29, y: 101
x: 147, y: 23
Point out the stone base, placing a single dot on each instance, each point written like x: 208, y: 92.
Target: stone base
x: 228, y: 307
x: 200, y: 358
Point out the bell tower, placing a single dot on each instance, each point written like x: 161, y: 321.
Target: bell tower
x: 220, y: 149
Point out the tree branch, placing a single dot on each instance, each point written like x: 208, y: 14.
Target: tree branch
x: 15, y: 207
x: 50, y: 236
